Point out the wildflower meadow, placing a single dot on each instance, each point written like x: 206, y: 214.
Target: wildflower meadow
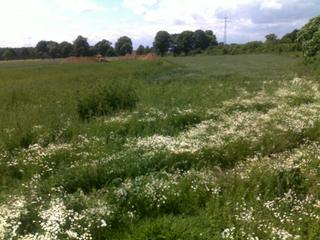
x: 204, y: 147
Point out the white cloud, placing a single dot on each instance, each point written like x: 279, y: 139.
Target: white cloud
x: 250, y: 19
x: 24, y: 23
x: 179, y: 15
x: 271, y: 4
x: 79, y: 6
x: 139, y: 6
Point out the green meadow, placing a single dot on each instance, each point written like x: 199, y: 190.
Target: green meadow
x: 203, y: 147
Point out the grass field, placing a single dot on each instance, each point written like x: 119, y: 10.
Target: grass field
x: 223, y: 147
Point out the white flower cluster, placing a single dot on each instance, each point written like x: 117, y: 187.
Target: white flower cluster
x: 54, y: 222
x: 158, y: 189
x: 280, y: 224
x: 9, y: 217
x: 228, y: 233
x: 300, y: 157
x: 280, y: 116
x: 35, y: 154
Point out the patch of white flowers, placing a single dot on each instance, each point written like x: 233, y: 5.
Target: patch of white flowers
x: 157, y: 189
x: 280, y: 115
x: 9, y: 217
x: 248, y: 118
x: 300, y: 157
x: 228, y: 233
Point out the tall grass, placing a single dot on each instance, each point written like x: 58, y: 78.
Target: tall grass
x: 222, y: 147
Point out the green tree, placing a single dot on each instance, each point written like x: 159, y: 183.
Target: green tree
x: 9, y: 54
x: 53, y: 49
x: 186, y: 41
x: 290, y: 37
x: 162, y: 42
x: 202, y: 40
x: 81, y: 46
x: 102, y: 47
x: 65, y: 49
x: 309, y: 38
x: 147, y: 50
x: 25, y: 53
x: 271, y: 38
x: 213, y: 38
x: 251, y: 47
x: 111, y: 52
x: 123, y: 46
x: 42, y: 48
x: 140, y: 50
x: 92, y: 51
x: 175, y: 48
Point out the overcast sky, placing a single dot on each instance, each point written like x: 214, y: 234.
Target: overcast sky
x: 25, y: 22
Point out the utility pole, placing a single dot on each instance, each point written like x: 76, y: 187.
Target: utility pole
x: 225, y: 30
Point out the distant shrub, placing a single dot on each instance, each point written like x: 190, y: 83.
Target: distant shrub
x: 251, y: 48
x: 110, y: 99
x: 195, y: 51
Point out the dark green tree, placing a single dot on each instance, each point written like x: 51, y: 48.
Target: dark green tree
x: 102, y: 47
x: 290, y: 37
x: 213, y: 38
x: 92, y: 51
x: 25, y: 53
x: 53, y: 49
x: 140, y: 50
x: 162, y: 42
x: 65, y: 49
x: 9, y: 54
x: 111, y: 52
x: 271, y: 39
x: 123, y: 46
x: 81, y: 47
x: 250, y: 47
x: 147, y: 50
x: 42, y: 48
x: 202, y: 40
x: 186, y: 42
x: 174, y: 46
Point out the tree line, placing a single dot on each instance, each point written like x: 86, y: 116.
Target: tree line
x: 79, y: 48
x: 186, y: 43
x: 305, y: 40
x: 272, y: 44
x: 164, y: 43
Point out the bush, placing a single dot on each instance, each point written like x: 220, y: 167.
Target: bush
x: 109, y: 100
x: 195, y: 51
x: 309, y: 38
